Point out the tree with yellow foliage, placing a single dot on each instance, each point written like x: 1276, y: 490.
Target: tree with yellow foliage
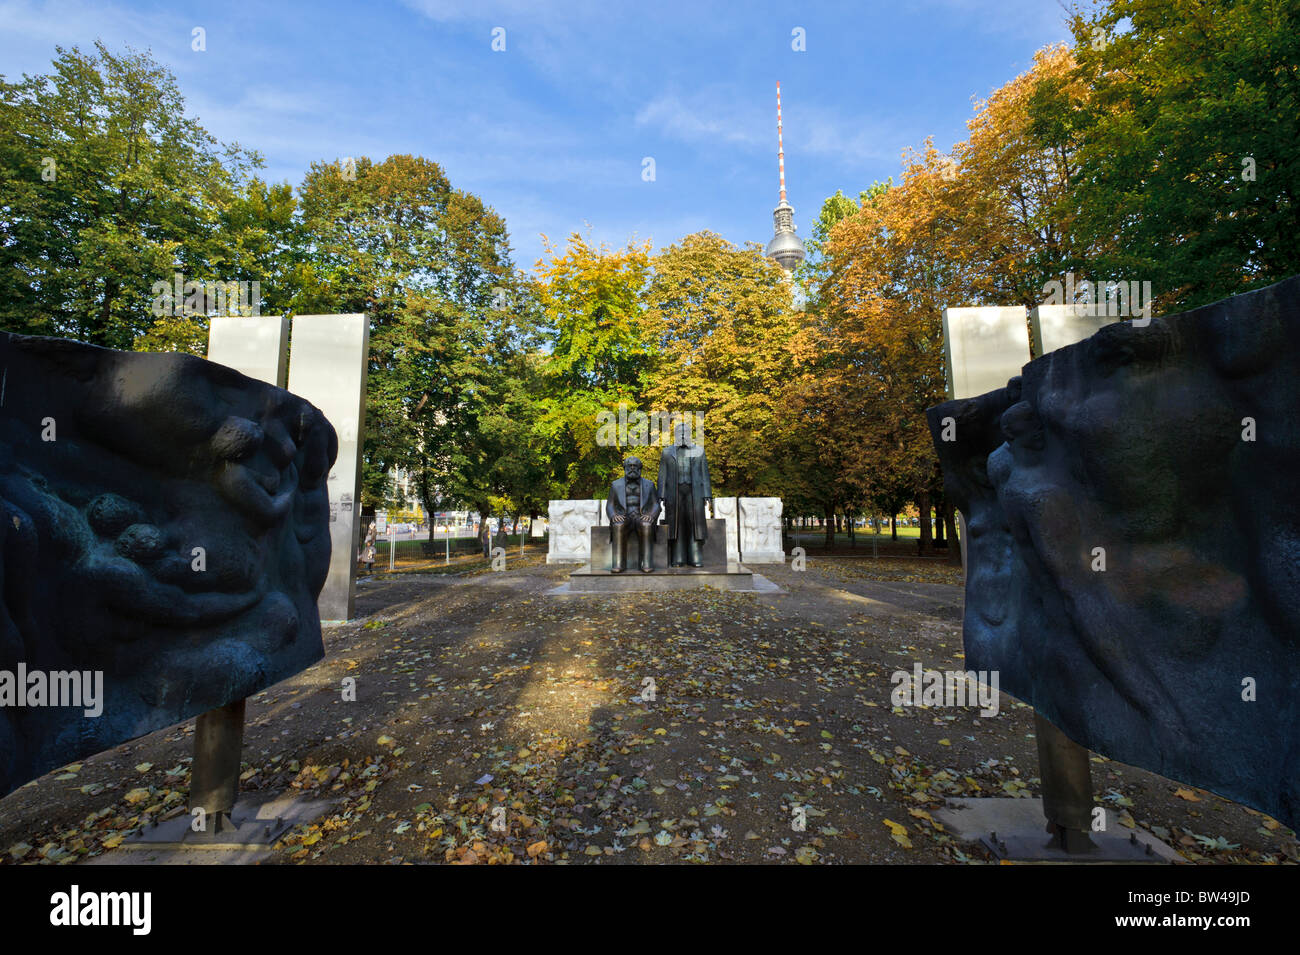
x: 893, y: 267
x: 1010, y: 181
x: 592, y: 301
x: 722, y: 322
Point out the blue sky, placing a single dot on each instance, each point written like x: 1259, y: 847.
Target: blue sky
x: 552, y: 131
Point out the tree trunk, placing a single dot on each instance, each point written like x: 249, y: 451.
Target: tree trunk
x: 830, y: 527
x: 423, y: 484
x: 485, y: 532
x: 927, y: 532
x: 950, y: 518
x: 893, y: 526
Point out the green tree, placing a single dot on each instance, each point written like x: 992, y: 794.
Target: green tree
x: 430, y: 265
x: 813, y: 271
x: 518, y: 466
x: 1188, y: 174
x: 108, y: 188
x: 259, y: 242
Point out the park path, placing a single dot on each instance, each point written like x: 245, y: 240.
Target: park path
x: 493, y: 722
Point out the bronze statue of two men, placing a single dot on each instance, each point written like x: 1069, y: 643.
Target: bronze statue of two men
x: 684, y: 490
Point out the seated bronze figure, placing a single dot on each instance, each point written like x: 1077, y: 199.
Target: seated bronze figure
x: 632, y: 508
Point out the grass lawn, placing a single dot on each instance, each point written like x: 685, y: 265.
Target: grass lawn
x: 862, y: 535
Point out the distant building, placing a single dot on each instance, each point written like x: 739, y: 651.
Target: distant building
x: 786, y: 247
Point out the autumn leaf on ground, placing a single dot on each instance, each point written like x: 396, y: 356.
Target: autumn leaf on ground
x: 806, y: 855
x: 899, y: 833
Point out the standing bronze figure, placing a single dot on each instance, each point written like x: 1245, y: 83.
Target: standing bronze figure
x: 685, y: 488
x: 632, y: 508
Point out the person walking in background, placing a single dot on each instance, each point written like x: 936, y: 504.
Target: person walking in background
x: 367, y: 555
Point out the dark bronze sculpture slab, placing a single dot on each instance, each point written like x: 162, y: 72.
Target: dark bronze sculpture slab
x: 1133, y: 542
x: 166, y: 526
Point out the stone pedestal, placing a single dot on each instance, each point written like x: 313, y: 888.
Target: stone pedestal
x: 750, y: 530
x: 715, y: 552
x: 718, y: 571
x: 730, y: 576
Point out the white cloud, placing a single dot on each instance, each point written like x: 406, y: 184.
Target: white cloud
x: 707, y: 117
x: 282, y: 102
x: 719, y: 115
x: 32, y: 29
x: 1026, y: 19
x: 454, y: 11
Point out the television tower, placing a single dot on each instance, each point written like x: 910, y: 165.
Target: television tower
x: 785, y: 246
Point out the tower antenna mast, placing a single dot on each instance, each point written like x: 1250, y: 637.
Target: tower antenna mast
x: 780, y: 143
x: 786, y: 247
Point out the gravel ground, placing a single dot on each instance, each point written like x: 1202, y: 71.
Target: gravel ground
x: 495, y: 723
